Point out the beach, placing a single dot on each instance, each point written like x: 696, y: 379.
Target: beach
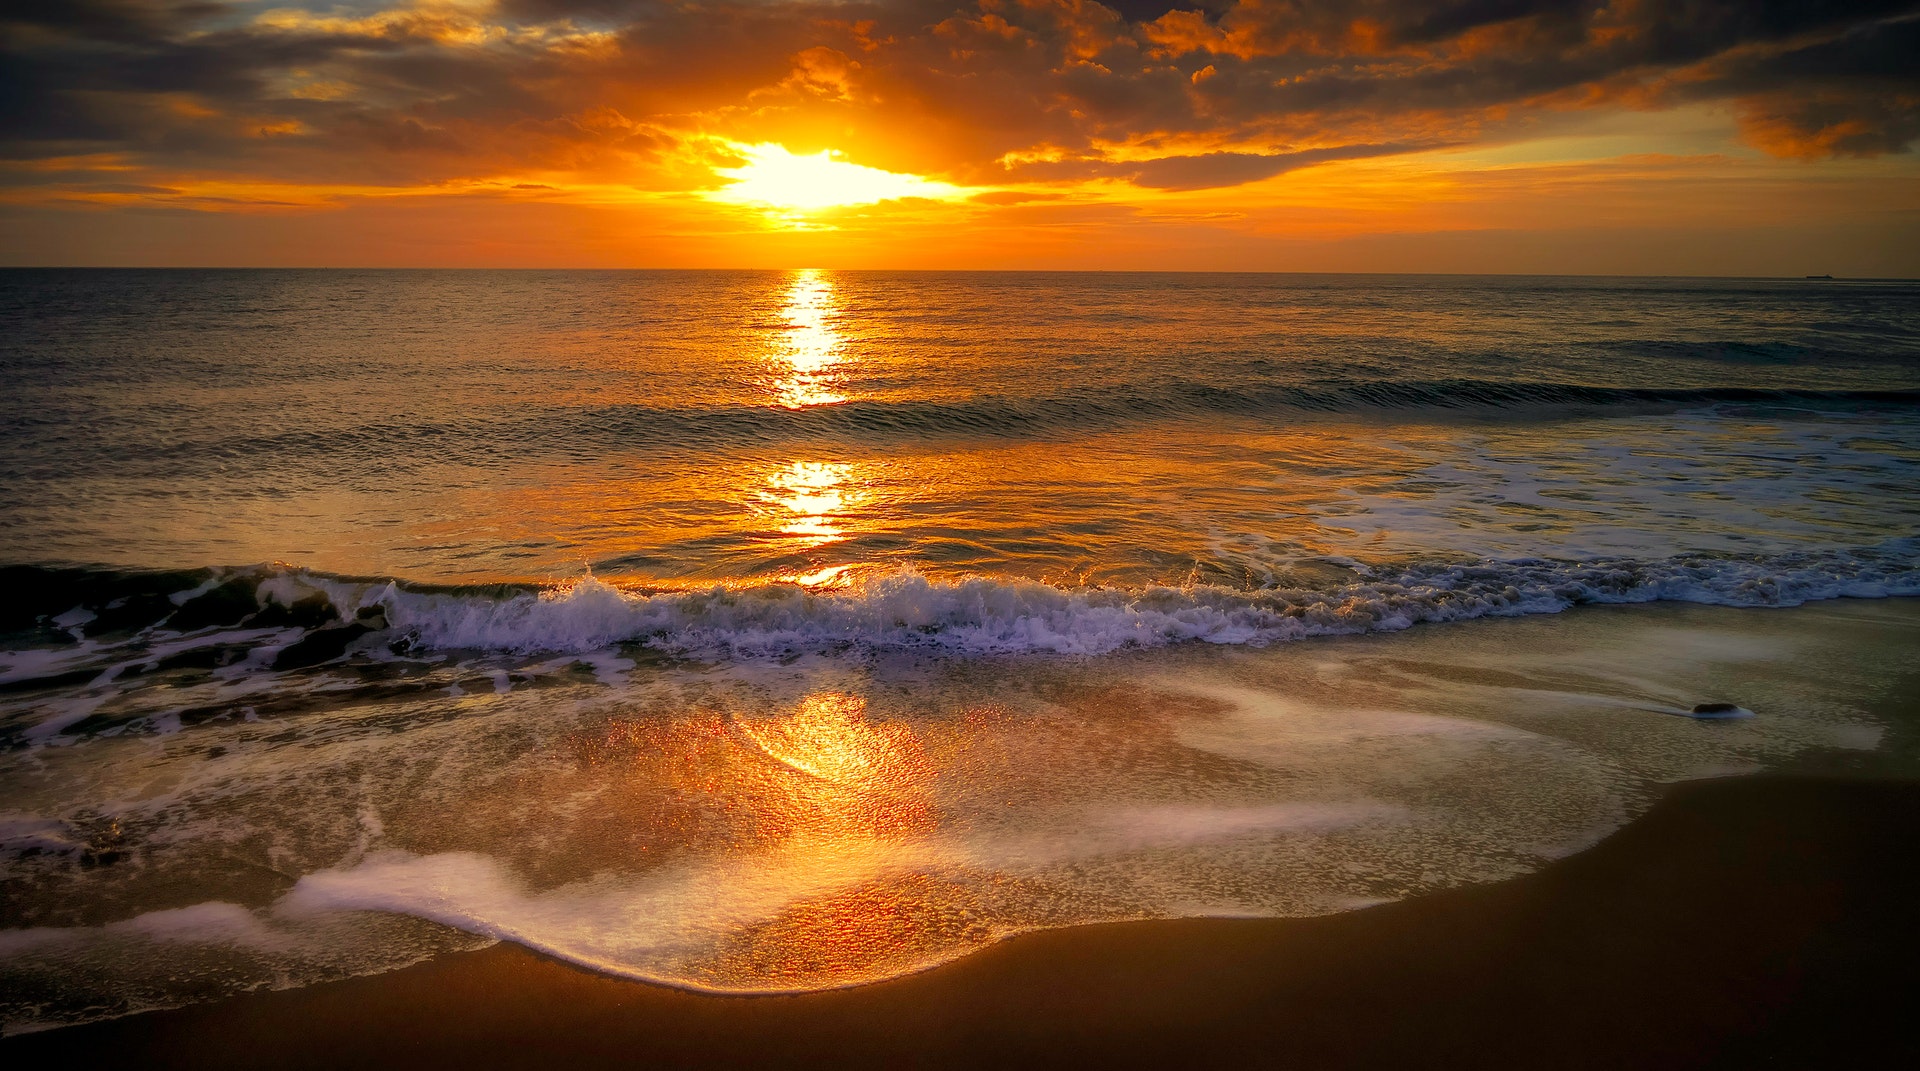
x: 1760, y: 921
x: 1757, y: 920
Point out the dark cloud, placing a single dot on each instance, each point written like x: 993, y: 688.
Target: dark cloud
x: 1854, y: 95
x: 1149, y: 10
x: 1441, y: 21
x: 1857, y: 95
x: 1174, y: 95
x: 1204, y: 171
x: 1234, y: 168
x: 131, y: 21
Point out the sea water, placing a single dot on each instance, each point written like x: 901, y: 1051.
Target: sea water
x: 772, y: 631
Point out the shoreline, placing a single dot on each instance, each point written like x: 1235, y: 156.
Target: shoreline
x: 1739, y: 921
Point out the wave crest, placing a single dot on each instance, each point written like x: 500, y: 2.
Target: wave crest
x: 68, y: 621
x: 903, y: 609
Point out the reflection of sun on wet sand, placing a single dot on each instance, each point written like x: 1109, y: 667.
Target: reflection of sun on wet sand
x: 820, y: 773
x: 829, y: 813
x: 861, y: 805
x: 860, y: 780
x: 838, y: 867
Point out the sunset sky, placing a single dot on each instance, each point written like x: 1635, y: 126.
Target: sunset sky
x: 1766, y: 137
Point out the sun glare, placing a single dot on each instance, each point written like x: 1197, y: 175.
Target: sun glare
x: 784, y: 180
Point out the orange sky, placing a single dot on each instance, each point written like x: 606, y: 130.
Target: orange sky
x: 1371, y: 135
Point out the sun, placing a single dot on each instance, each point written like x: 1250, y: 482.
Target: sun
x: 779, y: 179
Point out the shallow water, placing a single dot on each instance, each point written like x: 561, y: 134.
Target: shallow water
x: 755, y: 826
x: 889, y: 647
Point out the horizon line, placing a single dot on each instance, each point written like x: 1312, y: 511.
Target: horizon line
x: 1822, y: 277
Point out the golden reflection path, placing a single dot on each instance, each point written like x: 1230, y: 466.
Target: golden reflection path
x: 1247, y: 503
x: 809, y: 350
x: 809, y: 498
x: 814, y: 495
x: 810, y: 501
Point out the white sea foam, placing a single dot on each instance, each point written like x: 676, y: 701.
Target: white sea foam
x: 666, y: 925
x: 659, y: 925
x: 646, y: 927
x: 208, y: 923
x: 33, y: 662
x: 902, y: 608
x: 24, y: 833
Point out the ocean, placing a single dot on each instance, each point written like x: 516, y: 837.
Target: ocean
x: 772, y: 631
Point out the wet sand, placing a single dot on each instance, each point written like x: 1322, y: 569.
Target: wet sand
x: 1764, y: 921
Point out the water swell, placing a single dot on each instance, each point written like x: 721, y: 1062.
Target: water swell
x: 1861, y: 342
x: 1079, y: 411
x: 703, y: 429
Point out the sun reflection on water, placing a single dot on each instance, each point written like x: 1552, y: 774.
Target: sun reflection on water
x: 809, y: 350
x: 809, y: 502
x: 814, y: 494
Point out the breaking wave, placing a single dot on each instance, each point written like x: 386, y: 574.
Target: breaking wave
x: 291, y: 619
x: 997, y: 616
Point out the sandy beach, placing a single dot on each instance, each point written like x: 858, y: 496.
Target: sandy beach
x: 1739, y: 921
x: 1762, y: 921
